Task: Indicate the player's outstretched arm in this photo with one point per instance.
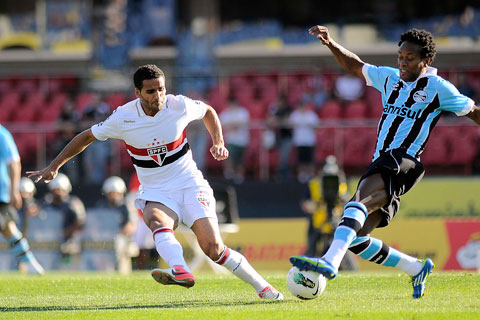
(474, 114)
(74, 147)
(212, 122)
(348, 60)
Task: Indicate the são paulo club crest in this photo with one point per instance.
(158, 153)
(203, 198)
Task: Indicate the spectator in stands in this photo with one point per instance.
(74, 215)
(96, 157)
(69, 113)
(30, 207)
(304, 122)
(114, 190)
(348, 88)
(316, 93)
(172, 190)
(415, 97)
(11, 201)
(235, 120)
(279, 120)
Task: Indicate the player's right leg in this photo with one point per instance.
(162, 220)
(371, 193)
(352, 221)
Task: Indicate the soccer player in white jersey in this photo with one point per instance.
(413, 97)
(172, 189)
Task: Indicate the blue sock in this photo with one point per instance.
(376, 251)
(20, 247)
(354, 216)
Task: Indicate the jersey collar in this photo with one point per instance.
(431, 71)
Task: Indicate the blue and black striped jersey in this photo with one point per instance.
(411, 109)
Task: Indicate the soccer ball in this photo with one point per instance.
(305, 285)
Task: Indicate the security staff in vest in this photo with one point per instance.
(326, 196)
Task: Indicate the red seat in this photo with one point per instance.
(356, 110)
(4, 115)
(10, 100)
(358, 146)
(327, 139)
(115, 100)
(83, 99)
(436, 151)
(331, 110)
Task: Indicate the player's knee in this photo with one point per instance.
(213, 249)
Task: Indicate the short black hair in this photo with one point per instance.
(424, 39)
(146, 72)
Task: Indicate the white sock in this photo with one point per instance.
(169, 248)
(409, 265)
(336, 252)
(353, 218)
(236, 263)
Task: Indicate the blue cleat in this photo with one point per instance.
(418, 281)
(314, 264)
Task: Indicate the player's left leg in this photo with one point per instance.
(161, 219)
(209, 239)
(20, 247)
(376, 251)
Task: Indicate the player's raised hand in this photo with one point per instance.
(321, 33)
(219, 152)
(46, 174)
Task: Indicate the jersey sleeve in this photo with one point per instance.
(108, 128)
(376, 76)
(8, 148)
(195, 109)
(452, 100)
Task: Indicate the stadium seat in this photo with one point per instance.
(436, 152)
(10, 100)
(358, 147)
(355, 110)
(326, 143)
(331, 110)
(83, 99)
(115, 99)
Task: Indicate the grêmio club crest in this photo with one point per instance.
(158, 154)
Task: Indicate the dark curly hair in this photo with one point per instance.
(146, 72)
(424, 39)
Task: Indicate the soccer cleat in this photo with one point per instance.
(31, 267)
(177, 275)
(318, 265)
(418, 281)
(270, 293)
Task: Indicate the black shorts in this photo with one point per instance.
(7, 214)
(400, 172)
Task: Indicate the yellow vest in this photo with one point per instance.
(320, 216)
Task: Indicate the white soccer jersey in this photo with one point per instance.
(157, 145)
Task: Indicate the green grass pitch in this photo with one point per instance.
(449, 295)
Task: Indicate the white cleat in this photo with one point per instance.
(31, 267)
(270, 293)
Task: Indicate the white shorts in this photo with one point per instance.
(190, 204)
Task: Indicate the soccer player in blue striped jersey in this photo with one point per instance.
(413, 98)
(10, 201)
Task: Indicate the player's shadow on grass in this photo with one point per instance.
(171, 305)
